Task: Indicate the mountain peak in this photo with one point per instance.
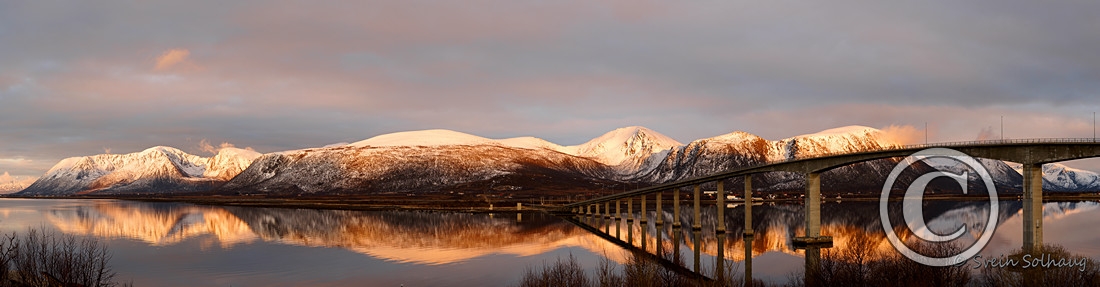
(846, 130)
(150, 170)
(433, 137)
(629, 145)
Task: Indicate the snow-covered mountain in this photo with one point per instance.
(740, 149)
(441, 160)
(157, 169)
(1058, 177)
(365, 168)
(625, 149)
(10, 184)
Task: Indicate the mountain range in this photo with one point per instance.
(444, 160)
(154, 170)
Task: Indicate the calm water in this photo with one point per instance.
(177, 244)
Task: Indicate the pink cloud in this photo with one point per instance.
(171, 58)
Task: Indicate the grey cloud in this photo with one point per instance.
(76, 78)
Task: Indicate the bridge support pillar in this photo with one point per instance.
(676, 207)
(1033, 207)
(660, 213)
(697, 224)
(644, 214)
(720, 259)
(618, 218)
(813, 214)
(698, 236)
(630, 209)
(607, 217)
(721, 202)
(748, 259)
(748, 205)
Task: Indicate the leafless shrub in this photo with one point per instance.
(48, 259)
(855, 266)
(561, 273)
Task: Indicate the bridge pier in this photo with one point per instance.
(813, 267)
(677, 234)
(643, 234)
(618, 218)
(676, 207)
(698, 234)
(720, 260)
(698, 223)
(660, 214)
(813, 213)
(660, 241)
(644, 213)
(1033, 207)
(748, 205)
(607, 217)
(748, 259)
(629, 210)
(721, 228)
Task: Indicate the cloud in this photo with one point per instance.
(904, 134)
(205, 146)
(987, 133)
(15, 161)
(279, 76)
(171, 58)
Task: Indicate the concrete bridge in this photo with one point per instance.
(1032, 153)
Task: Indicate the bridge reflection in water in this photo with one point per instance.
(1030, 153)
(855, 227)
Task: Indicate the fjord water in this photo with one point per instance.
(179, 244)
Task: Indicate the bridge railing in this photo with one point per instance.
(940, 144)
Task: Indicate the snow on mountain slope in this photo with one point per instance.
(439, 137)
(373, 169)
(740, 149)
(444, 159)
(156, 169)
(838, 140)
(10, 184)
(531, 143)
(627, 149)
(1059, 177)
(1003, 175)
(435, 137)
(228, 163)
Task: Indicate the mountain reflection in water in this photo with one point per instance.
(425, 238)
(421, 237)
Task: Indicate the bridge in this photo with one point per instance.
(1031, 153)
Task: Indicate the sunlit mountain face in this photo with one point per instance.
(441, 160)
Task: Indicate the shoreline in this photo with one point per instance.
(479, 205)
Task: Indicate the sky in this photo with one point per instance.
(87, 77)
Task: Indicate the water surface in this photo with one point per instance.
(179, 244)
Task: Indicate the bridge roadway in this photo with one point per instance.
(1032, 153)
